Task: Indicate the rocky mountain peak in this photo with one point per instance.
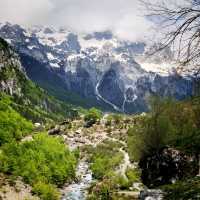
(97, 66)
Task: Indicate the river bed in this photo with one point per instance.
(78, 191)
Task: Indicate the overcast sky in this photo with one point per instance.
(123, 17)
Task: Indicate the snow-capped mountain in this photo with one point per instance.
(97, 67)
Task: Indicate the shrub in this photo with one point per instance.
(133, 175)
(43, 159)
(103, 164)
(117, 118)
(120, 182)
(93, 115)
(46, 191)
(135, 143)
(12, 125)
(40, 162)
(105, 158)
(101, 191)
(187, 189)
(169, 123)
(109, 120)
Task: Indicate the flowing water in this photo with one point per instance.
(78, 191)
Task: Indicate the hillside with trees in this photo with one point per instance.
(50, 150)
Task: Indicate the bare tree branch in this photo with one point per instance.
(181, 24)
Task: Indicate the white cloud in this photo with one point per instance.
(123, 17)
(25, 11)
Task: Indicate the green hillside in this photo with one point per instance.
(30, 100)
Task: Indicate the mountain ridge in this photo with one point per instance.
(80, 65)
(29, 99)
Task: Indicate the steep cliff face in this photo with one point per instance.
(30, 100)
(96, 69)
(10, 68)
(173, 86)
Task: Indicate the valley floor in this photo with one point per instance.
(105, 169)
(82, 138)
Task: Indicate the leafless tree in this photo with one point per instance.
(179, 20)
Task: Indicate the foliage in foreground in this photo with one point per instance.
(42, 163)
(187, 189)
(170, 123)
(46, 191)
(107, 189)
(12, 125)
(105, 158)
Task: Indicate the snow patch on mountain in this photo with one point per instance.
(163, 69)
(55, 65)
(32, 47)
(48, 36)
(98, 65)
(50, 56)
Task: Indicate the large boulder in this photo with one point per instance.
(55, 131)
(167, 166)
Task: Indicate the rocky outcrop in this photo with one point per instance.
(55, 131)
(111, 87)
(10, 68)
(167, 166)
